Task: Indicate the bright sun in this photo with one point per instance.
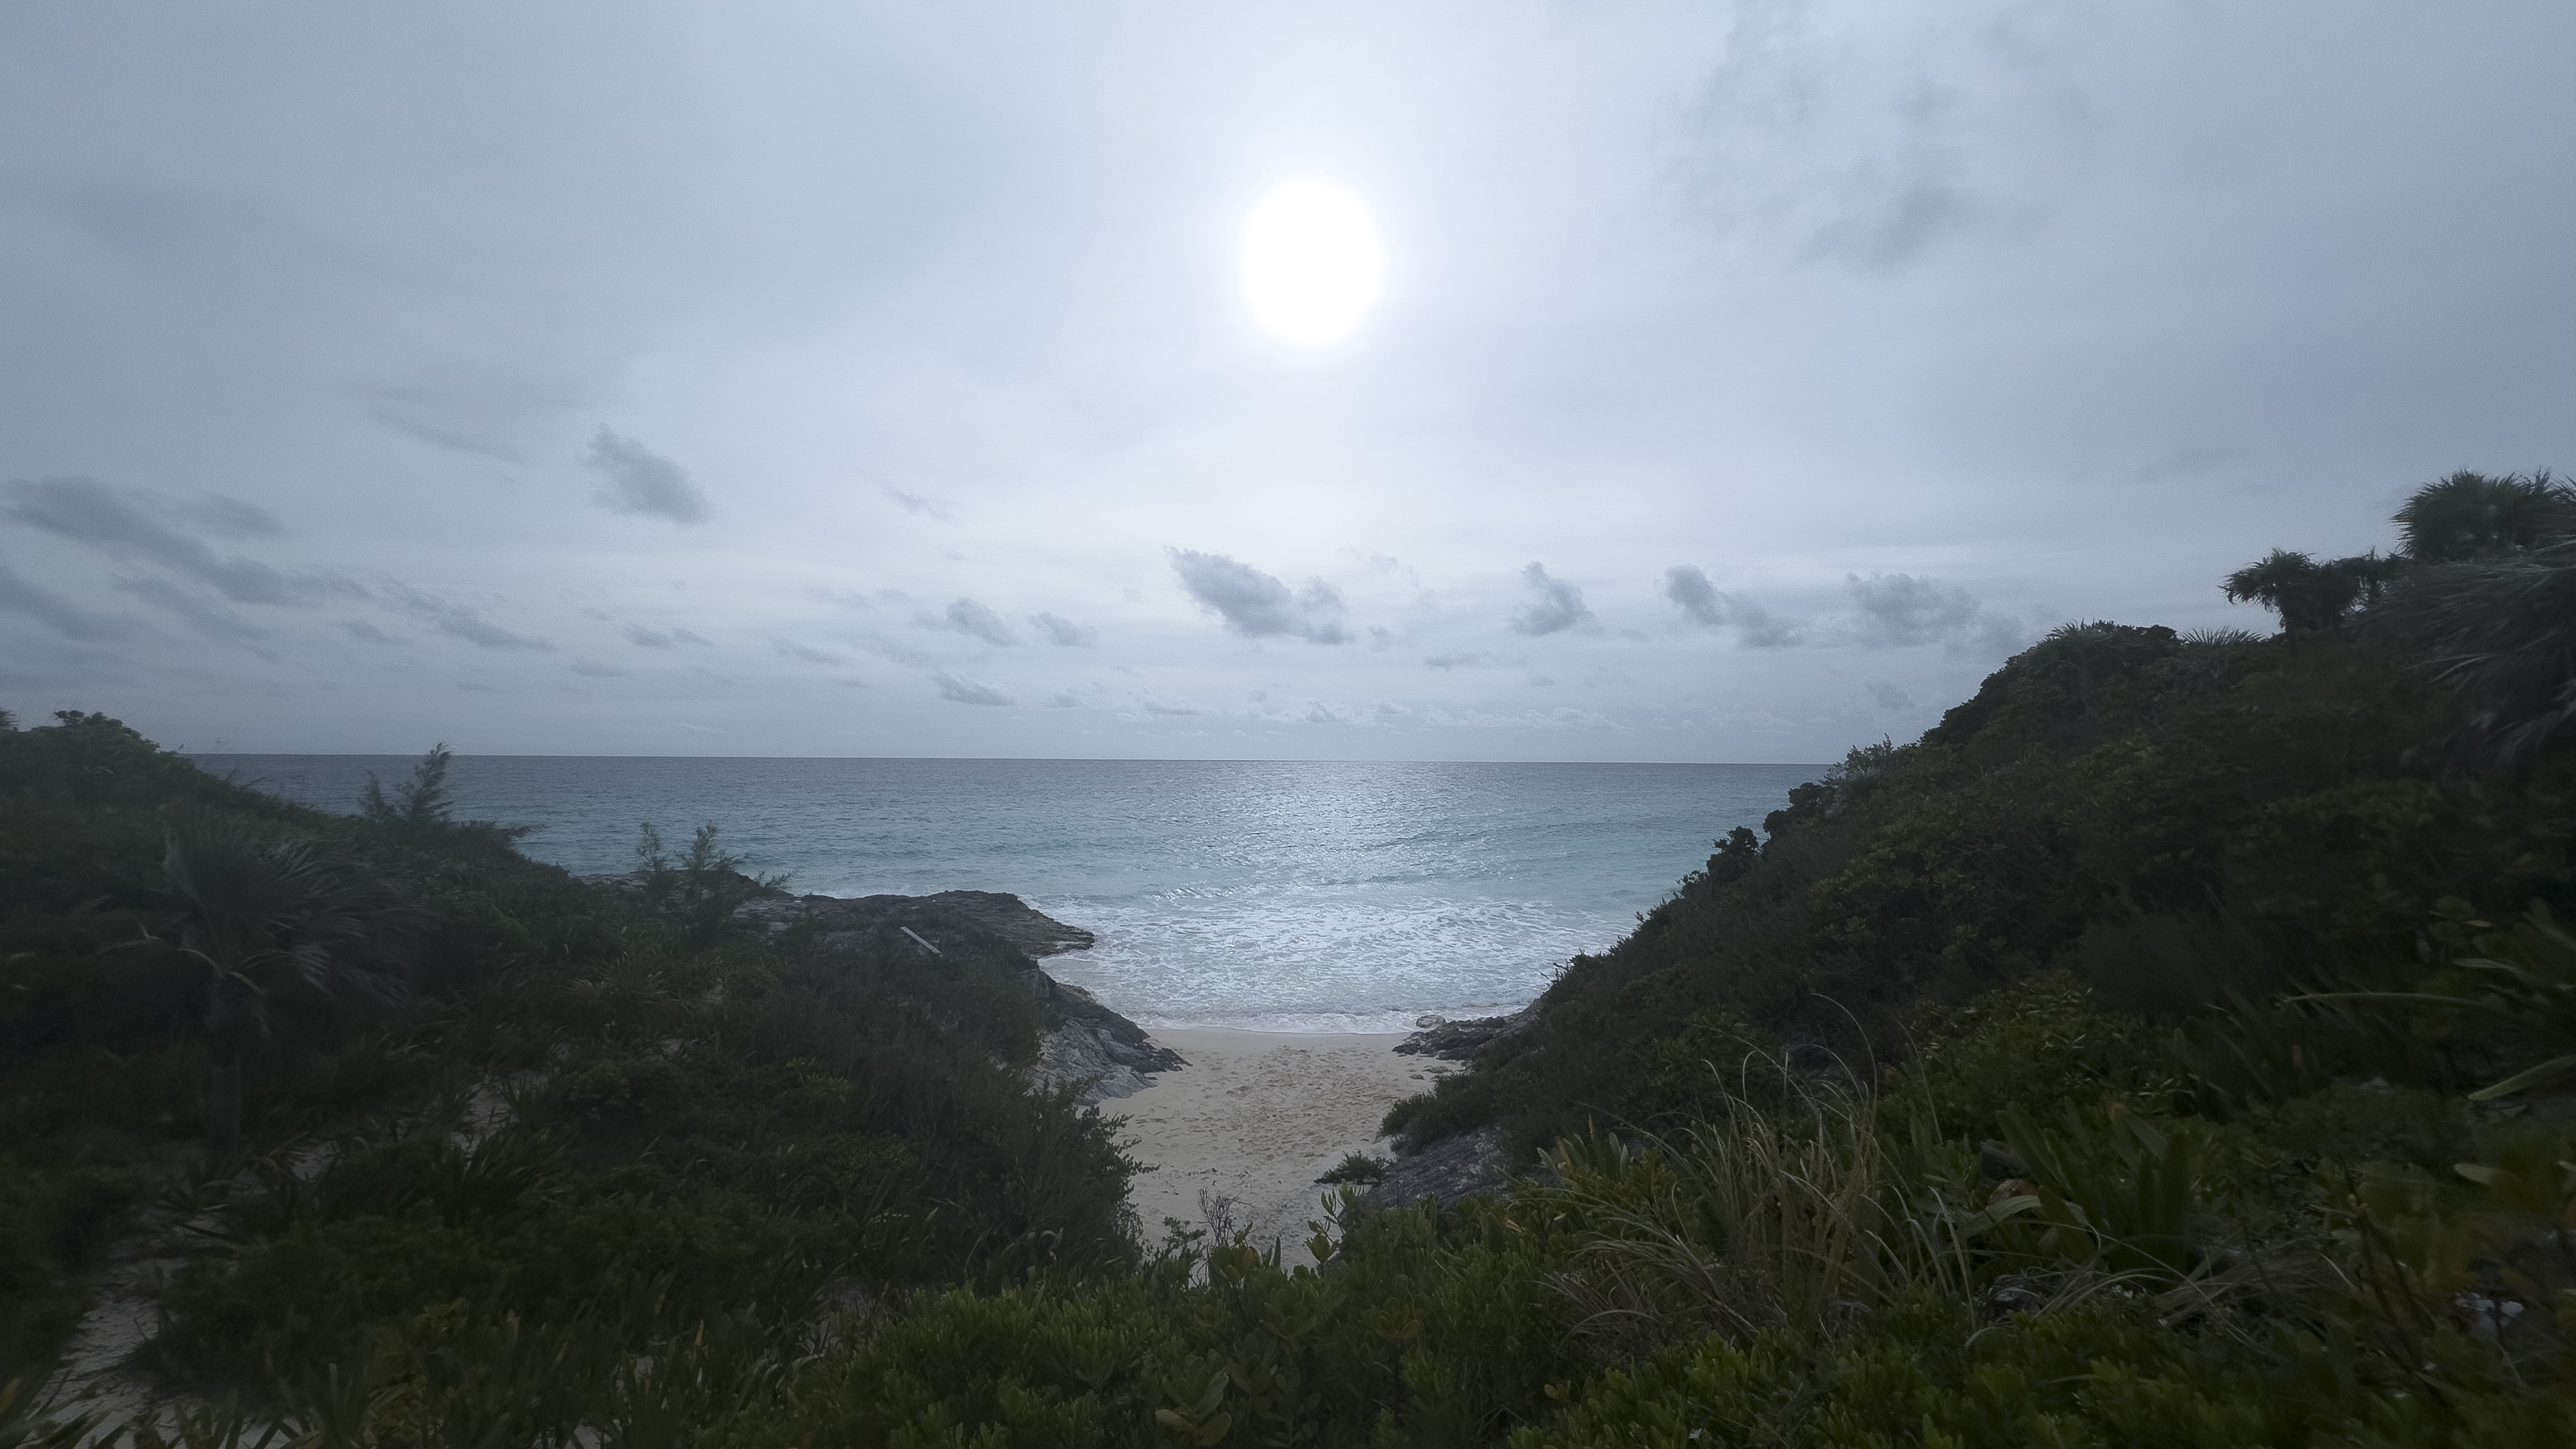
(1311, 264)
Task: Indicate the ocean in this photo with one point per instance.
(1280, 896)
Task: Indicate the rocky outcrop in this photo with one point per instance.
(1458, 1041)
(1086, 1044)
(1106, 1053)
(990, 912)
(1447, 1170)
(775, 911)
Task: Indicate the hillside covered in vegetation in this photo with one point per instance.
(2173, 1046)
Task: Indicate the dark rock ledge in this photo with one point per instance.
(1459, 1041)
(1086, 1043)
(1470, 1162)
(1447, 1170)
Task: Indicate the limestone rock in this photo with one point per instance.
(1458, 1041)
(1085, 1043)
(1446, 1171)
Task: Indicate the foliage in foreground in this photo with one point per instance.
(743, 1120)
(1842, 1268)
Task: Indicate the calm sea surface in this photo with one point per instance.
(1291, 896)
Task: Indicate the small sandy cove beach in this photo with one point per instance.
(1257, 1116)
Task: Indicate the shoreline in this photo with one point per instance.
(1255, 1117)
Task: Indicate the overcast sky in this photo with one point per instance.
(1747, 379)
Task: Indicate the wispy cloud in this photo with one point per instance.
(485, 408)
(128, 523)
(966, 616)
(1899, 611)
(922, 504)
(460, 621)
(635, 479)
(1064, 631)
(1891, 611)
(1711, 608)
(894, 651)
(1462, 659)
(968, 691)
(234, 517)
(1257, 605)
(643, 638)
(789, 649)
(1559, 605)
(208, 614)
(20, 596)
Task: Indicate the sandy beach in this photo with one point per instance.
(1257, 1116)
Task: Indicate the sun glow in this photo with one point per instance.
(1311, 264)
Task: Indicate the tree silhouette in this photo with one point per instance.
(418, 805)
(271, 921)
(2308, 595)
(418, 811)
(2468, 514)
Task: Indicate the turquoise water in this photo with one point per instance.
(1291, 896)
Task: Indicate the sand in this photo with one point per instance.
(1256, 1117)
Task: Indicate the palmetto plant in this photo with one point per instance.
(271, 921)
(2308, 595)
(2499, 632)
(2468, 514)
(2526, 976)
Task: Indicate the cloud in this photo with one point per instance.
(361, 629)
(1899, 611)
(209, 615)
(18, 596)
(791, 650)
(1463, 659)
(1889, 697)
(1873, 153)
(642, 637)
(461, 621)
(965, 616)
(484, 409)
(598, 671)
(1257, 605)
(1690, 590)
(127, 522)
(930, 508)
(968, 691)
(861, 601)
(899, 653)
(233, 516)
(1388, 564)
(1559, 606)
(638, 480)
(1090, 696)
(1064, 631)
(1895, 611)
(1711, 608)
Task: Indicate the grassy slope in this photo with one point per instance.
(2169, 820)
(714, 1121)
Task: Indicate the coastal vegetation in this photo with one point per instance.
(2174, 1045)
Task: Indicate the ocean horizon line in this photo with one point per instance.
(1003, 759)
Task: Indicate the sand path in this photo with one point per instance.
(1256, 1117)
